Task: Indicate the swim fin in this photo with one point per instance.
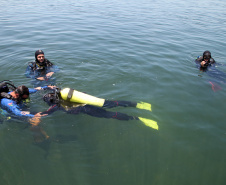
(215, 86)
(143, 105)
(149, 123)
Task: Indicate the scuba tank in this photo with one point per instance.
(5, 87)
(72, 95)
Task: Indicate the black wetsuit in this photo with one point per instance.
(210, 62)
(211, 70)
(45, 64)
(200, 59)
(96, 111)
(35, 70)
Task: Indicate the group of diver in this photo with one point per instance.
(69, 100)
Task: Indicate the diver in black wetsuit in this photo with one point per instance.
(57, 103)
(207, 64)
(75, 108)
(41, 69)
(205, 60)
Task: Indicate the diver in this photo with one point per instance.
(207, 64)
(75, 102)
(11, 101)
(41, 69)
(205, 61)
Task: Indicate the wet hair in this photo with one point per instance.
(22, 90)
(207, 55)
(38, 52)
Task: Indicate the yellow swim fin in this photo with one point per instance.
(149, 123)
(143, 105)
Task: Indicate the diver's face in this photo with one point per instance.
(206, 59)
(16, 95)
(41, 57)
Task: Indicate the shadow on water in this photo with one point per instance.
(45, 144)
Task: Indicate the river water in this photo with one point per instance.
(119, 50)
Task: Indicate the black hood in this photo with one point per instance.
(51, 98)
(38, 52)
(207, 55)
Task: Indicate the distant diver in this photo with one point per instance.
(75, 102)
(205, 60)
(207, 64)
(41, 69)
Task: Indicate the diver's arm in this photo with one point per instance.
(13, 107)
(199, 59)
(34, 90)
(48, 75)
(51, 110)
(212, 61)
(51, 69)
(38, 133)
(41, 78)
(29, 73)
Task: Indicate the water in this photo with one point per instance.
(121, 50)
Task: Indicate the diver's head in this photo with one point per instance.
(50, 98)
(206, 56)
(22, 92)
(39, 56)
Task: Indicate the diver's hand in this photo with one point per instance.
(40, 78)
(203, 64)
(52, 86)
(38, 115)
(38, 88)
(48, 75)
(25, 112)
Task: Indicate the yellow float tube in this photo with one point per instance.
(79, 97)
